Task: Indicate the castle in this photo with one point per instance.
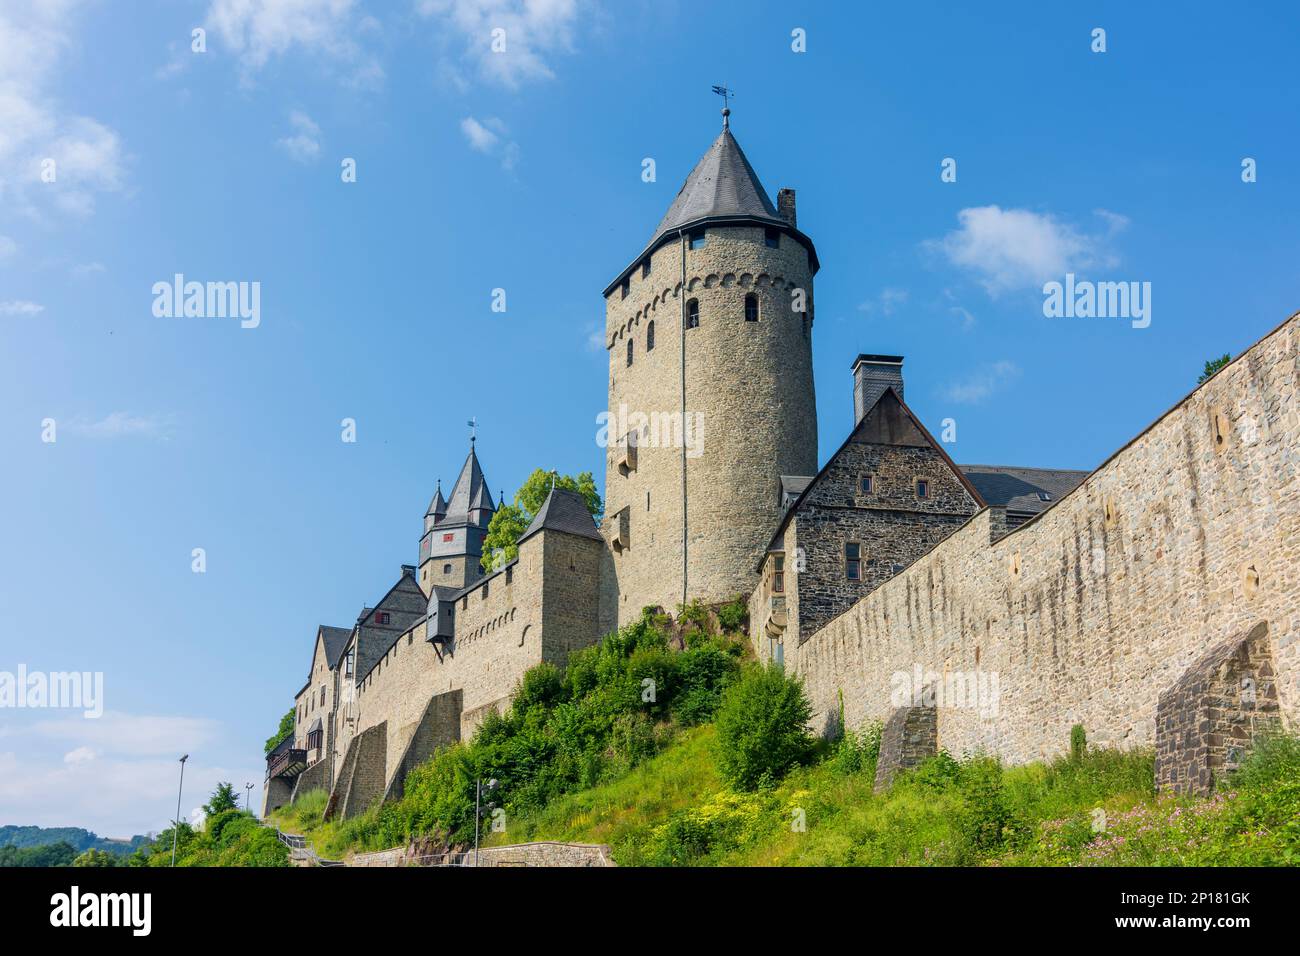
(970, 607)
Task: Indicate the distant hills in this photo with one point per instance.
(23, 838)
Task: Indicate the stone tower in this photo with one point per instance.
(452, 543)
(709, 331)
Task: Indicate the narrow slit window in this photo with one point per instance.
(853, 561)
(650, 336)
(629, 351)
(693, 314)
(751, 308)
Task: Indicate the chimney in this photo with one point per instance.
(785, 206)
(872, 374)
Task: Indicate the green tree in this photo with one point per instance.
(510, 521)
(1213, 366)
(223, 798)
(762, 727)
(98, 858)
(286, 730)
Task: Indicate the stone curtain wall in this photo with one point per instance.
(1189, 534)
(518, 854)
(752, 384)
(1205, 723)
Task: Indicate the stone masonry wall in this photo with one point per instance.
(1087, 613)
(751, 385)
(909, 736)
(1207, 721)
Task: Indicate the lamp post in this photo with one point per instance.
(478, 814)
(248, 797)
(176, 826)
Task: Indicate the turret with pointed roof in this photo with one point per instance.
(712, 323)
(454, 530)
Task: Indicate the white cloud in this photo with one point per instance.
(35, 40)
(122, 734)
(258, 30)
(303, 145)
(489, 137)
(7, 247)
(88, 269)
(982, 383)
(885, 303)
(1009, 249)
(123, 425)
(80, 755)
(533, 31)
(20, 307)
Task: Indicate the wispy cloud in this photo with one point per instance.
(303, 142)
(885, 303)
(88, 269)
(123, 425)
(982, 383)
(20, 307)
(259, 30)
(1008, 249)
(49, 157)
(489, 137)
(507, 42)
(7, 247)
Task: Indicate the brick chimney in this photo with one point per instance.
(785, 206)
(872, 374)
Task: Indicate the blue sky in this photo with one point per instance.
(522, 170)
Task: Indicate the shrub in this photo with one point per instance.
(762, 727)
(733, 617)
(1078, 743)
(984, 814)
(1275, 757)
(857, 752)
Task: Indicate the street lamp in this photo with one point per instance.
(479, 787)
(248, 796)
(176, 827)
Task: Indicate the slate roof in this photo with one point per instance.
(1020, 489)
(470, 493)
(437, 504)
(792, 486)
(721, 184)
(335, 638)
(566, 511)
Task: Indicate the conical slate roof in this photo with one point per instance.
(437, 505)
(722, 184)
(565, 511)
(470, 492)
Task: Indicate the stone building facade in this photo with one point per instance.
(970, 607)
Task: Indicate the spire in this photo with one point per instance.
(722, 185)
(437, 505)
(469, 494)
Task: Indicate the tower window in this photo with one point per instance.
(629, 351)
(448, 537)
(772, 237)
(778, 575)
(446, 569)
(751, 308)
(697, 239)
(647, 501)
(626, 287)
(650, 336)
(853, 561)
(866, 484)
(693, 314)
(645, 268)
(922, 488)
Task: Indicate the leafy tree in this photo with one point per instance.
(510, 521)
(97, 858)
(762, 727)
(223, 798)
(1213, 366)
(286, 730)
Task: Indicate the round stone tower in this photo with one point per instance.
(711, 400)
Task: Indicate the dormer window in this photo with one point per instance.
(772, 237)
(751, 308)
(693, 314)
(1044, 496)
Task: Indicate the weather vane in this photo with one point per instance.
(473, 429)
(726, 94)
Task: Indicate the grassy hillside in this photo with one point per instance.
(674, 750)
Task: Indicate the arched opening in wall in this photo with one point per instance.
(650, 336)
(693, 314)
(751, 308)
(524, 635)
